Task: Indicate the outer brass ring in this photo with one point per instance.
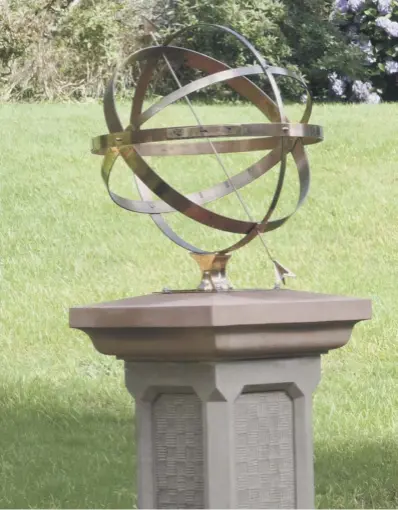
(308, 133)
(133, 144)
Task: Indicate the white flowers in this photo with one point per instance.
(337, 84)
(348, 5)
(341, 6)
(391, 66)
(373, 98)
(384, 7)
(372, 27)
(367, 48)
(356, 5)
(362, 91)
(390, 27)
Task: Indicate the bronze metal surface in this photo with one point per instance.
(213, 268)
(278, 136)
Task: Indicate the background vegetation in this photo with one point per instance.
(63, 49)
(60, 49)
(371, 26)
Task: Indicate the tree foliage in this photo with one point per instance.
(296, 34)
(55, 49)
(60, 49)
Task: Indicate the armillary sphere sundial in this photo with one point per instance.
(277, 137)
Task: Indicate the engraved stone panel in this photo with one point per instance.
(264, 451)
(178, 451)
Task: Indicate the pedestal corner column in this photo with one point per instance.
(223, 389)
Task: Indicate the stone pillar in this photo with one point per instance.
(223, 389)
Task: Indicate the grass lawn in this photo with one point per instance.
(66, 428)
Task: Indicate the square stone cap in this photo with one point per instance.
(221, 309)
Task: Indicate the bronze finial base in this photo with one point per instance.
(213, 268)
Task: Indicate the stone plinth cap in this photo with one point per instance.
(238, 308)
(237, 324)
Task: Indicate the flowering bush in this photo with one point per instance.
(58, 49)
(296, 34)
(371, 26)
(319, 47)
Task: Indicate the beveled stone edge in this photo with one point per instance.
(210, 315)
(221, 343)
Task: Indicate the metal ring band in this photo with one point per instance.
(308, 133)
(250, 82)
(249, 90)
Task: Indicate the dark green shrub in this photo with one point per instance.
(296, 34)
(318, 46)
(56, 49)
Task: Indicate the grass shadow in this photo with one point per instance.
(356, 474)
(79, 452)
(55, 455)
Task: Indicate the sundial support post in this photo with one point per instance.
(213, 267)
(223, 386)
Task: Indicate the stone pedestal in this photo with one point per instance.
(223, 389)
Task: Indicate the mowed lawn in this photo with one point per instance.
(66, 420)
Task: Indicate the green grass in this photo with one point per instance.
(66, 428)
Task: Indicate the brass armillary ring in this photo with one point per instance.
(278, 137)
